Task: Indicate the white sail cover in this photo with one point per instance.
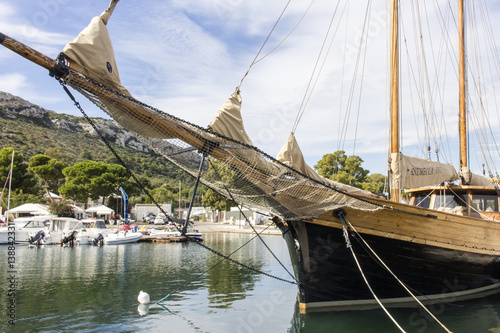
(228, 121)
(92, 50)
(474, 179)
(412, 172)
(291, 155)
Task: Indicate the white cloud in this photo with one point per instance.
(14, 83)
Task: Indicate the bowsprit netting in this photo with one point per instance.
(246, 174)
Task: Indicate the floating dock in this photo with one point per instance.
(159, 239)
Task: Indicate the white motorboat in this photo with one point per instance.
(89, 230)
(61, 230)
(23, 228)
(122, 237)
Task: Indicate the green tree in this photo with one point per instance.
(48, 169)
(216, 201)
(90, 179)
(342, 168)
(21, 179)
(374, 183)
(330, 164)
(162, 195)
(86, 155)
(57, 154)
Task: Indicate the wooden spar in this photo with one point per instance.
(394, 91)
(27, 52)
(462, 100)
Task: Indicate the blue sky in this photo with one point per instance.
(186, 57)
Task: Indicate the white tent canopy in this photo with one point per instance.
(100, 210)
(33, 209)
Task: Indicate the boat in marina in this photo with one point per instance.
(122, 237)
(25, 227)
(61, 231)
(173, 231)
(89, 230)
(440, 239)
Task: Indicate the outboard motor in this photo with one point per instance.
(70, 239)
(37, 238)
(99, 240)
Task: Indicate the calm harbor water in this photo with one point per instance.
(94, 289)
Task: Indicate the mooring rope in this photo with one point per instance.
(392, 273)
(348, 244)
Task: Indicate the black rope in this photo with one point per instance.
(246, 266)
(215, 265)
(154, 201)
(106, 142)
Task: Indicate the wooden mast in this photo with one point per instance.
(462, 92)
(395, 91)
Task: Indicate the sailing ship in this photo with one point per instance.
(437, 252)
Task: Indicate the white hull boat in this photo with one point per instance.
(23, 228)
(89, 230)
(122, 237)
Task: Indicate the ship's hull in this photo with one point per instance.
(330, 278)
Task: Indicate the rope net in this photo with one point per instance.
(243, 172)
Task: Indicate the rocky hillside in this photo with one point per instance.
(34, 130)
(18, 110)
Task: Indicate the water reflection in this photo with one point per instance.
(96, 288)
(481, 315)
(226, 281)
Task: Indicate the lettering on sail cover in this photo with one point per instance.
(425, 171)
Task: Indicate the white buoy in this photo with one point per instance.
(143, 297)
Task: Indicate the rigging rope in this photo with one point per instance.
(268, 36)
(209, 269)
(243, 145)
(303, 105)
(286, 37)
(106, 142)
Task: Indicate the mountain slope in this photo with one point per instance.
(32, 130)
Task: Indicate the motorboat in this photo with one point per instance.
(89, 230)
(122, 237)
(23, 228)
(61, 230)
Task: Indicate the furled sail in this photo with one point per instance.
(92, 50)
(474, 179)
(228, 121)
(291, 155)
(412, 172)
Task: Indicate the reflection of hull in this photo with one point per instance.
(122, 238)
(435, 268)
(457, 318)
